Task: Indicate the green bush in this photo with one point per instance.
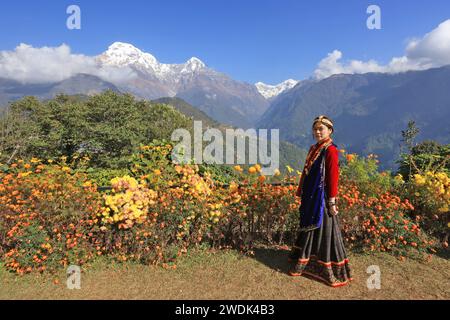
(364, 173)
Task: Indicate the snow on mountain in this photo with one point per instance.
(271, 91)
(219, 96)
(193, 64)
(121, 54)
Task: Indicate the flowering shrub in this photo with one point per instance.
(430, 194)
(161, 209)
(363, 172)
(255, 210)
(128, 202)
(382, 224)
(153, 164)
(177, 212)
(432, 190)
(46, 212)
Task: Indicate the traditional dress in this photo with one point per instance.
(319, 248)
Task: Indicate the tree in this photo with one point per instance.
(426, 156)
(106, 127)
(17, 129)
(408, 138)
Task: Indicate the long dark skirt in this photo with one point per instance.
(320, 253)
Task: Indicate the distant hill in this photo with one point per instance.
(83, 84)
(290, 154)
(189, 110)
(369, 110)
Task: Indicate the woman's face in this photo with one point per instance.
(321, 131)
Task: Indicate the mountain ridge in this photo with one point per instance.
(369, 110)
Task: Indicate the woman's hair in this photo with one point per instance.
(326, 121)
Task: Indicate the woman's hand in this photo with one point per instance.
(332, 206)
(333, 210)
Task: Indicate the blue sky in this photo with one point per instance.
(251, 40)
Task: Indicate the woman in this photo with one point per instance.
(319, 249)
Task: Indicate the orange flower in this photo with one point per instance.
(350, 157)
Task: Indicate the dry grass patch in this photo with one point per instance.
(226, 274)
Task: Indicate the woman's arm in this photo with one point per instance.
(332, 175)
(332, 171)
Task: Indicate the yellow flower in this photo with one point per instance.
(237, 199)
(399, 178)
(252, 170)
(419, 180)
(289, 169)
(87, 184)
(277, 172)
(25, 174)
(233, 186)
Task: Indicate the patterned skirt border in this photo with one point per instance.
(329, 264)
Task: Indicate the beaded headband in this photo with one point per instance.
(323, 120)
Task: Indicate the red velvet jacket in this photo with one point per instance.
(331, 173)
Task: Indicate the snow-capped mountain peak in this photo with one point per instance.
(121, 54)
(194, 64)
(271, 91)
(124, 54)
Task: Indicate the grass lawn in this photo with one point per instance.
(226, 274)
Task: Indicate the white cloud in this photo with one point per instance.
(331, 65)
(432, 50)
(51, 64)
